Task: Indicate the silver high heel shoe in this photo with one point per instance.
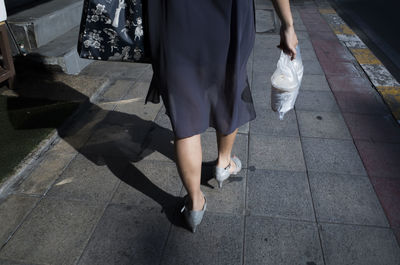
(222, 174)
(193, 218)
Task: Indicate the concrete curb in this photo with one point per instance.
(387, 86)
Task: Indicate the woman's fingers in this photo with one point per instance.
(288, 42)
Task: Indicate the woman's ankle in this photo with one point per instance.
(223, 161)
(197, 202)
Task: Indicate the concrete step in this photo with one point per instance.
(62, 53)
(43, 23)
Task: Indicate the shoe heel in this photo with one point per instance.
(222, 174)
(220, 183)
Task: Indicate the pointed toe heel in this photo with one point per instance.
(193, 218)
(222, 174)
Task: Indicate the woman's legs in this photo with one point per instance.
(189, 159)
(225, 144)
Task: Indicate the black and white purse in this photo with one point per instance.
(114, 30)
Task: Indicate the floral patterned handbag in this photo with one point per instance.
(114, 30)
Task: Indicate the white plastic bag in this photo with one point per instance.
(285, 83)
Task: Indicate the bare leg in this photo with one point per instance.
(225, 144)
(189, 159)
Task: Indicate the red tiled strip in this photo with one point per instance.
(375, 132)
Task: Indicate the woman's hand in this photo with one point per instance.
(288, 41)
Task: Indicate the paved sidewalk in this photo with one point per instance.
(109, 192)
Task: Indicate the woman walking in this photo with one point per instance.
(200, 50)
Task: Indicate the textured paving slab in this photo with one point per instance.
(56, 232)
(219, 240)
(124, 237)
(276, 153)
(316, 101)
(349, 244)
(346, 199)
(322, 125)
(279, 194)
(335, 156)
(281, 242)
(268, 123)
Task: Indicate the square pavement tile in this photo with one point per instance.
(84, 180)
(13, 210)
(380, 159)
(149, 186)
(123, 237)
(217, 240)
(331, 155)
(268, 123)
(279, 194)
(278, 241)
(346, 199)
(56, 232)
(388, 191)
(322, 125)
(314, 83)
(359, 245)
(276, 153)
(316, 101)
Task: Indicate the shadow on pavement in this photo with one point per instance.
(105, 137)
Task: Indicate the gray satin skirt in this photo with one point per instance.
(199, 51)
